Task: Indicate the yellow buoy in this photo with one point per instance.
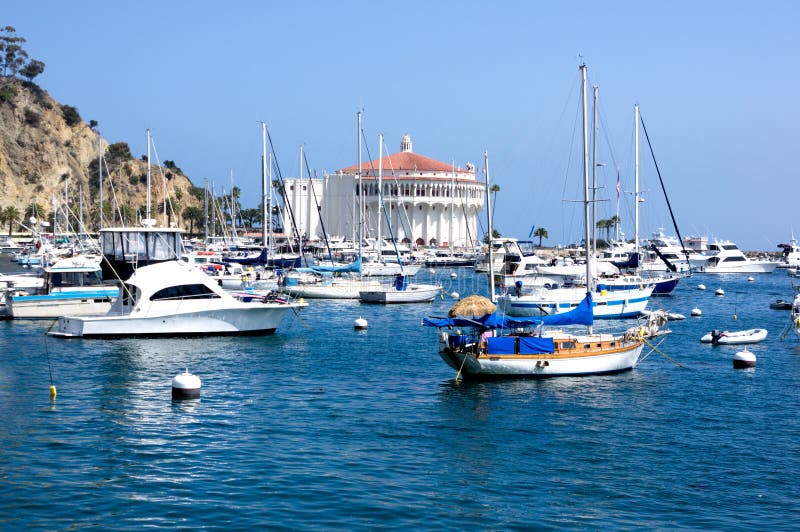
(53, 392)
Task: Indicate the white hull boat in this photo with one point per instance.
(730, 259)
(606, 304)
(170, 299)
(750, 336)
(335, 289)
(411, 293)
(70, 286)
(580, 357)
(796, 314)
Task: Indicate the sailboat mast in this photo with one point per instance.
(489, 225)
(205, 207)
(100, 169)
(147, 213)
(264, 184)
(452, 199)
(301, 229)
(636, 177)
(233, 211)
(360, 190)
(380, 195)
(271, 235)
(586, 219)
(594, 171)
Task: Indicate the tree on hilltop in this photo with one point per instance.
(32, 69)
(13, 56)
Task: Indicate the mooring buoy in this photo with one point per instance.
(744, 359)
(697, 312)
(185, 385)
(360, 324)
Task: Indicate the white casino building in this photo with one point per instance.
(430, 202)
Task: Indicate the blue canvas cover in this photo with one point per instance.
(353, 267)
(501, 345)
(533, 345)
(580, 315)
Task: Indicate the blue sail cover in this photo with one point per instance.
(353, 267)
(580, 315)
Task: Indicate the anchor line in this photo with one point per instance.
(660, 352)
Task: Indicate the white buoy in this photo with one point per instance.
(720, 292)
(750, 279)
(455, 295)
(432, 271)
(454, 275)
(360, 324)
(701, 287)
(697, 312)
(185, 385)
(744, 359)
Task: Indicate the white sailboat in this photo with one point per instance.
(496, 346)
(625, 300)
(335, 282)
(400, 291)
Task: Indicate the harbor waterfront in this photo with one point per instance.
(320, 426)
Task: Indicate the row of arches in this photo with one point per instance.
(437, 190)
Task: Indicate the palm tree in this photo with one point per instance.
(615, 221)
(34, 210)
(541, 232)
(10, 215)
(604, 224)
(193, 214)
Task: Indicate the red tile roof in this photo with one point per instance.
(404, 160)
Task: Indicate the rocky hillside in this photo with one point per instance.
(45, 148)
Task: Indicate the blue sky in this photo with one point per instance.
(715, 82)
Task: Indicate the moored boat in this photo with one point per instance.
(72, 285)
(173, 299)
(401, 292)
(750, 336)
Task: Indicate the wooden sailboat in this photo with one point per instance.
(493, 345)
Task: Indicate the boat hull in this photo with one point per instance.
(261, 319)
(89, 303)
(542, 366)
(609, 305)
(345, 290)
(412, 294)
(755, 267)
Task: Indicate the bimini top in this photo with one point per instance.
(580, 315)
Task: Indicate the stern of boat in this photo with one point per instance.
(68, 327)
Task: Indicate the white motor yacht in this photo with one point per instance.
(728, 258)
(174, 299)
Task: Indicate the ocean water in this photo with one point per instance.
(323, 427)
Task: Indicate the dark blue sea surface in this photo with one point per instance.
(323, 427)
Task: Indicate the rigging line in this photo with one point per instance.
(400, 204)
(406, 228)
(380, 199)
(166, 198)
(660, 352)
(47, 352)
(316, 204)
(669, 206)
(286, 204)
